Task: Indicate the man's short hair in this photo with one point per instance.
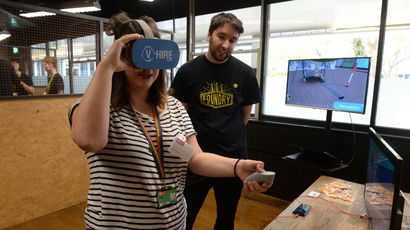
(51, 60)
(221, 19)
(15, 60)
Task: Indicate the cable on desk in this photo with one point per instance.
(347, 213)
(273, 219)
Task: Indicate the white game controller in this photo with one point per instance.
(266, 176)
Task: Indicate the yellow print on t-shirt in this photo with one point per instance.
(216, 95)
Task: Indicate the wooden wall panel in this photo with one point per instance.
(41, 169)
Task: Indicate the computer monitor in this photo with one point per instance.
(383, 199)
(331, 83)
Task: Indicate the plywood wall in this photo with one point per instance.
(41, 169)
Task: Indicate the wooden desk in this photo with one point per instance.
(323, 215)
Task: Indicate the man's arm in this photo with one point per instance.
(28, 88)
(246, 112)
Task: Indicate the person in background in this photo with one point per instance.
(55, 81)
(8, 78)
(126, 122)
(25, 87)
(218, 92)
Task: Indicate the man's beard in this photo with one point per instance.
(213, 51)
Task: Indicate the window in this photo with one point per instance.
(249, 40)
(179, 37)
(84, 58)
(62, 63)
(318, 29)
(107, 42)
(394, 96)
(39, 73)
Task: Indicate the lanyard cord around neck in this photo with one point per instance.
(157, 151)
(49, 83)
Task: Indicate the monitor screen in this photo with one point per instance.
(382, 185)
(333, 83)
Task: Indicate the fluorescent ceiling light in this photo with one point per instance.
(37, 14)
(146, 0)
(91, 8)
(81, 9)
(5, 34)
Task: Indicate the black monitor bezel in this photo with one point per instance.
(397, 162)
(332, 109)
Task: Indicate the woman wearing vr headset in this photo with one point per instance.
(126, 122)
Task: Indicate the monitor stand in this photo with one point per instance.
(322, 160)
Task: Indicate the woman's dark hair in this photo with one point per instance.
(119, 25)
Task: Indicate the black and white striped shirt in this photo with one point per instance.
(124, 177)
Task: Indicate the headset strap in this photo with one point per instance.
(147, 30)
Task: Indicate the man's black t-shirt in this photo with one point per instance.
(215, 94)
(56, 84)
(27, 80)
(8, 77)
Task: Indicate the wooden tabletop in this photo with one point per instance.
(323, 215)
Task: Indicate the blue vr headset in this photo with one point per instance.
(155, 54)
(151, 53)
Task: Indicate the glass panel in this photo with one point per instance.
(107, 42)
(82, 74)
(63, 64)
(250, 59)
(165, 36)
(52, 45)
(179, 36)
(41, 45)
(39, 73)
(250, 18)
(394, 96)
(84, 58)
(318, 29)
(84, 48)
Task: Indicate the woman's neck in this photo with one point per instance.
(139, 102)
